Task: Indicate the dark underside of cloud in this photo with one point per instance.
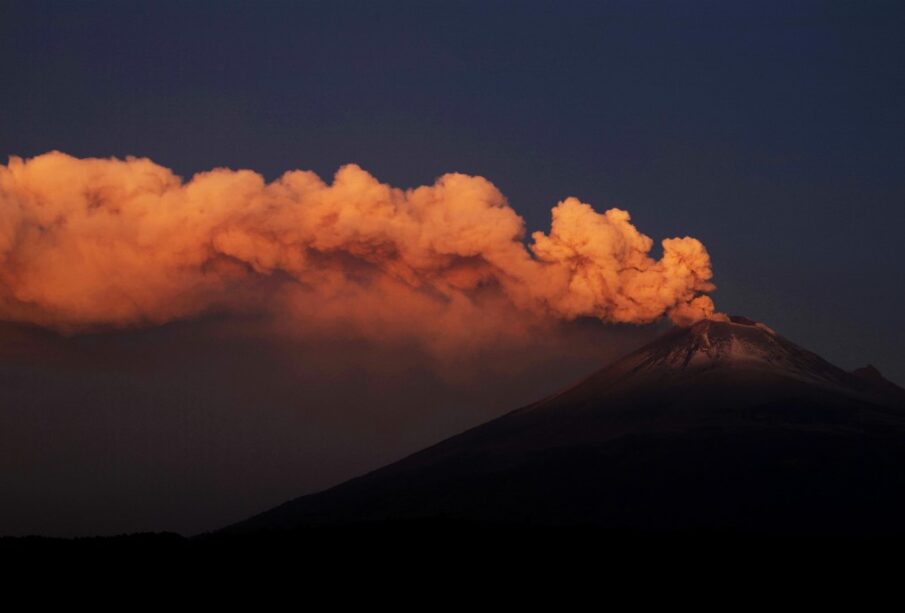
(192, 425)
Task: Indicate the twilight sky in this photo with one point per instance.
(771, 131)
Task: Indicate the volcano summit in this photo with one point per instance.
(721, 426)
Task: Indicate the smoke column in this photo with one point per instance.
(101, 243)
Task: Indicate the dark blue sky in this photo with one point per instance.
(772, 131)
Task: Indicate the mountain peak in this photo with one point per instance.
(712, 342)
(741, 320)
(736, 343)
(868, 373)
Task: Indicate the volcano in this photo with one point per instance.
(721, 426)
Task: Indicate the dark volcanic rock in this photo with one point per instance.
(723, 426)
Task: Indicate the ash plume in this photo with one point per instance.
(109, 243)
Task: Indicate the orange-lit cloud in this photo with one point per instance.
(88, 243)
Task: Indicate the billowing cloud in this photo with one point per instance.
(88, 243)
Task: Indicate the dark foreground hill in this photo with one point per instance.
(721, 428)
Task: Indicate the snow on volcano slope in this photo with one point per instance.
(738, 344)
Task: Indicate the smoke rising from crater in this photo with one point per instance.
(96, 243)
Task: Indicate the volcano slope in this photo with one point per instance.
(722, 427)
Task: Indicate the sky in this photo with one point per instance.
(772, 132)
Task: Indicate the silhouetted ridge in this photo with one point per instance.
(723, 425)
